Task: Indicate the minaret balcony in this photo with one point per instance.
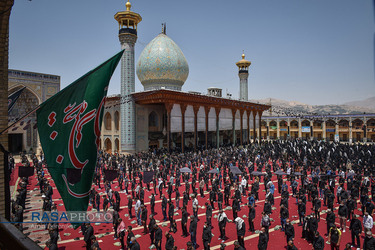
(128, 30)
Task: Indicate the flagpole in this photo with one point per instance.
(20, 119)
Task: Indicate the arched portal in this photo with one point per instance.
(23, 137)
(108, 145)
(117, 145)
(107, 121)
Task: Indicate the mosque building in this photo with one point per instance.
(163, 115)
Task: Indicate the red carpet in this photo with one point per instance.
(104, 232)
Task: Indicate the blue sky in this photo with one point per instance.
(316, 52)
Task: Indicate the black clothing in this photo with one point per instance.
(263, 241)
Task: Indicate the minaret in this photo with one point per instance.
(243, 73)
(128, 22)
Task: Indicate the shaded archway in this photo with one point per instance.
(117, 145)
(107, 121)
(108, 145)
(305, 123)
(153, 121)
(24, 135)
(294, 124)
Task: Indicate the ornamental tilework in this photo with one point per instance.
(163, 64)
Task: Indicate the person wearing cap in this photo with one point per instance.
(356, 230)
(369, 242)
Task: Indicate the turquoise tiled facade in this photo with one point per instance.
(162, 64)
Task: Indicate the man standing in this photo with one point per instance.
(201, 186)
(368, 222)
(195, 207)
(263, 239)
(318, 242)
(334, 237)
(343, 214)
(226, 194)
(115, 222)
(151, 228)
(193, 231)
(184, 220)
(88, 233)
(158, 236)
(164, 207)
(170, 215)
(241, 229)
(208, 214)
(222, 219)
(356, 229)
(152, 203)
(134, 245)
(206, 236)
(369, 242)
(301, 212)
(251, 218)
(144, 218)
(170, 241)
(130, 206)
(289, 231)
(284, 215)
(330, 219)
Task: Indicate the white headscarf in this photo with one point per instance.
(239, 222)
(222, 216)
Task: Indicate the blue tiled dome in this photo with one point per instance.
(162, 64)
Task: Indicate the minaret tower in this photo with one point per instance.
(243, 72)
(128, 22)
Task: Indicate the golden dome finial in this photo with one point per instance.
(243, 54)
(128, 5)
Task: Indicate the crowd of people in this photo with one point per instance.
(311, 173)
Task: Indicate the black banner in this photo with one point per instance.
(13, 98)
(148, 176)
(25, 171)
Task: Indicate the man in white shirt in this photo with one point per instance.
(368, 222)
(195, 207)
(243, 184)
(138, 211)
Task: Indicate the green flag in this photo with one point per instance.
(69, 126)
